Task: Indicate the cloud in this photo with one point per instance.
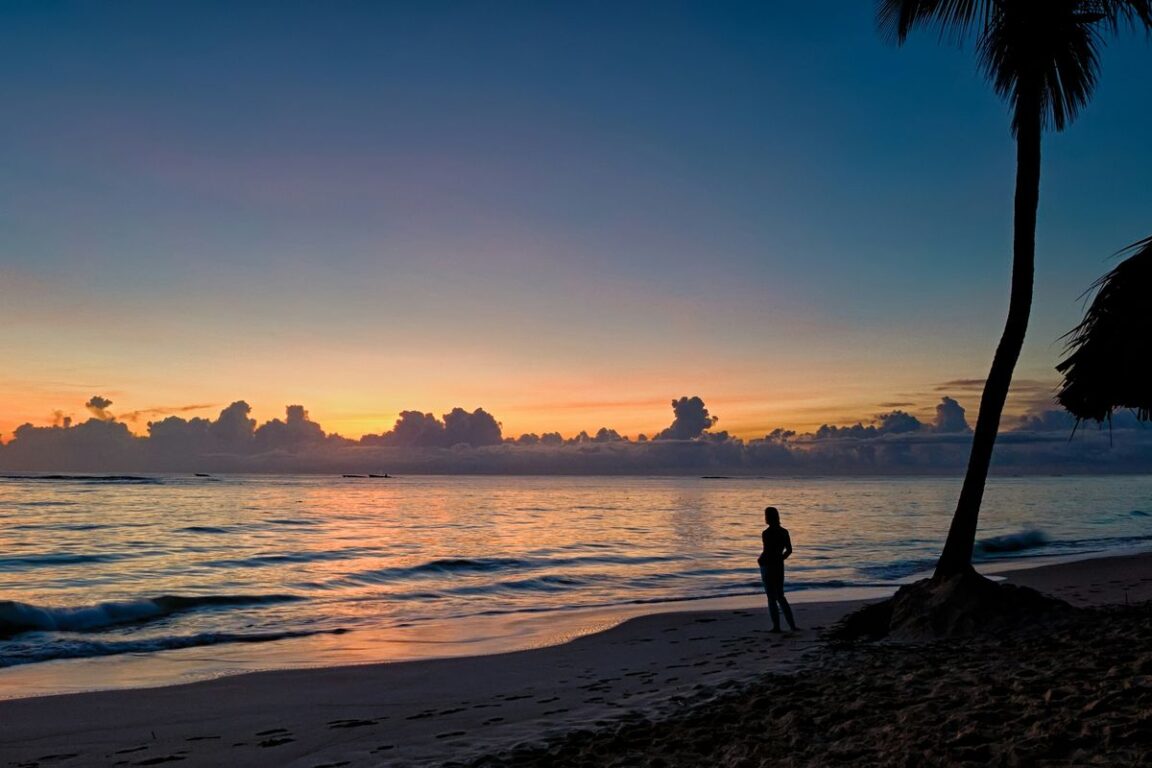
(950, 416)
(475, 429)
(233, 430)
(961, 385)
(296, 432)
(414, 429)
(99, 407)
(162, 411)
(894, 442)
(893, 422)
(691, 420)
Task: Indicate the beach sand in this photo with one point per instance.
(669, 689)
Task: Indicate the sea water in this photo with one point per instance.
(194, 568)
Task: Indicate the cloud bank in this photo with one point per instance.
(463, 441)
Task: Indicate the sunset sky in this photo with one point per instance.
(566, 213)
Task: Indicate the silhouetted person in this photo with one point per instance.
(777, 548)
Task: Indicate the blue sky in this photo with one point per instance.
(566, 213)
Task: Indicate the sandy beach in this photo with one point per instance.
(667, 689)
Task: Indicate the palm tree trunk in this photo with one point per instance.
(957, 555)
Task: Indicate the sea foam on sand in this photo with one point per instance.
(670, 689)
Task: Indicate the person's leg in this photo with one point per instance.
(786, 608)
(778, 602)
(773, 609)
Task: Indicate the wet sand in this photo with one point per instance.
(668, 689)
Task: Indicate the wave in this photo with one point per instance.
(59, 558)
(1013, 542)
(464, 565)
(17, 618)
(260, 561)
(112, 479)
(15, 654)
(897, 569)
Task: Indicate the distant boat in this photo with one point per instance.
(355, 475)
(203, 474)
(385, 475)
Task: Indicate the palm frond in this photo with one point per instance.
(1042, 56)
(1115, 13)
(1046, 60)
(1108, 356)
(953, 19)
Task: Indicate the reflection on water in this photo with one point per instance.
(84, 565)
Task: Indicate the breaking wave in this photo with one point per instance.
(1013, 542)
(16, 618)
(73, 648)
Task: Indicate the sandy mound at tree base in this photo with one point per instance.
(965, 604)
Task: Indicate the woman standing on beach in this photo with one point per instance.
(777, 548)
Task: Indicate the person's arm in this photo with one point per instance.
(787, 546)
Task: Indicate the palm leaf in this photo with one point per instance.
(1108, 356)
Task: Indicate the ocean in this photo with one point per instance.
(110, 581)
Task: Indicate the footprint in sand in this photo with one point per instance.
(351, 723)
(279, 736)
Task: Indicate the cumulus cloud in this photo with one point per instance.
(99, 407)
(606, 435)
(894, 442)
(691, 420)
(897, 422)
(233, 429)
(414, 429)
(297, 431)
(891, 423)
(950, 416)
(476, 429)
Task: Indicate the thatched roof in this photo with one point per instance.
(1108, 362)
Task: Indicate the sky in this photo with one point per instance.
(566, 213)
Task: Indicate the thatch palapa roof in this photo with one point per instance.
(1108, 358)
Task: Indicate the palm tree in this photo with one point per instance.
(1106, 364)
(1042, 57)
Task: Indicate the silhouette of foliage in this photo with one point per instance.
(1041, 56)
(1107, 362)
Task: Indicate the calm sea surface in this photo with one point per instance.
(106, 567)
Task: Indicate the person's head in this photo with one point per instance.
(771, 515)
